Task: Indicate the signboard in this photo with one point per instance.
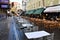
(4, 6)
(4, 1)
(0, 0)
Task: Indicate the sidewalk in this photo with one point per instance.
(4, 31)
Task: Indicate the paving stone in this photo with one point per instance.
(4, 30)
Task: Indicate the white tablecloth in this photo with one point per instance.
(27, 25)
(36, 34)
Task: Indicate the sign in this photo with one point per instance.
(4, 6)
(5, 1)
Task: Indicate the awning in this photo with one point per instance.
(39, 11)
(53, 9)
(35, 11)
(30, 12)
(27, 12)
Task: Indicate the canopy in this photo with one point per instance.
(53, 9)
(39, 11)
(30, 12)
(35, 11)
(27, 12)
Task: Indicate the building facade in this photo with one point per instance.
(34, 4)
(51, 2)
(15, 6)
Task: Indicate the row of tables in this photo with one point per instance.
(31, 35)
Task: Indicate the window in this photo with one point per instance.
(34, 6)
(39, 3)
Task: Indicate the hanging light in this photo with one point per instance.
(46, 14)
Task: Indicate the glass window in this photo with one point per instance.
(39, 3)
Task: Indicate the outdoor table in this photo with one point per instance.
(37, 34)
(27, 25)
(20, 21)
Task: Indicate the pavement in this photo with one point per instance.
(8, 30)
(57, 35)
(4, 31)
